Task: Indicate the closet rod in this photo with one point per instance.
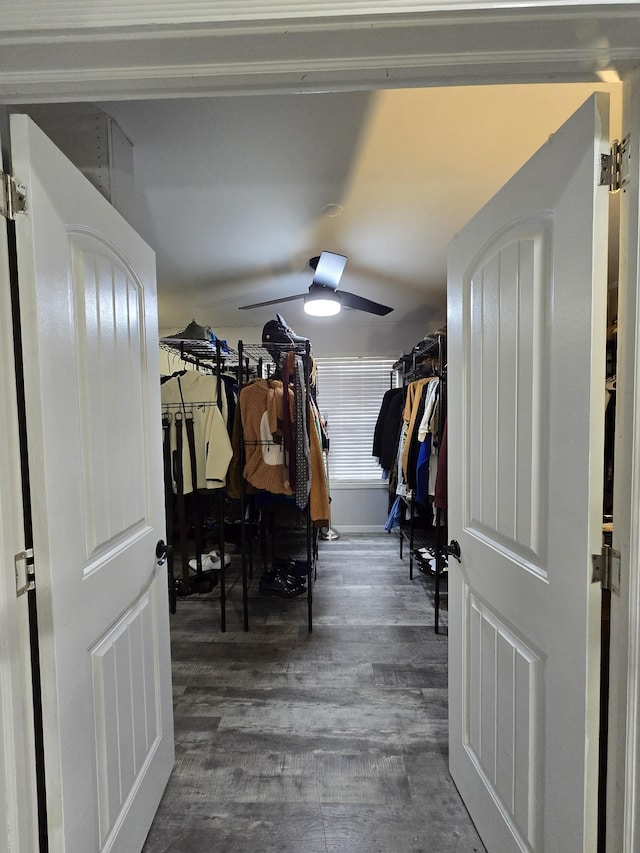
(189, 405)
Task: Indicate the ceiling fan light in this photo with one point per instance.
(324, 305)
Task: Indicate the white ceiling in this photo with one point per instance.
(232, 192)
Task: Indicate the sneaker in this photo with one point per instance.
(208, 565)
(214, 556)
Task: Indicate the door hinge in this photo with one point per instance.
(615, 167)
(606, 569)
(13, 196)
(25, 571)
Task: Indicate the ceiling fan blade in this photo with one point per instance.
(351, 300)
(329, 269)
(274, 301)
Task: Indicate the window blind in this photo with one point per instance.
(350, 392)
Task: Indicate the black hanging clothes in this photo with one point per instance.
(440, 498)
(387, 430)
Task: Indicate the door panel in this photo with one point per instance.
(88, 311)
(527, 325)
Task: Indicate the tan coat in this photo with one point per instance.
(258, 428)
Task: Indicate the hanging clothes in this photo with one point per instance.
(412, 402)
(429, 440)
(303, 478)
(413, 413)
(288, 431)
(609, 444)
(440, 491)
(422, 471)
(259, 428)
(191, 401)
(395, 515)
(261, 411)
(387, 429)
(319, 487)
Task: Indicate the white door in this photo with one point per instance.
(527, 327)
(89, 330)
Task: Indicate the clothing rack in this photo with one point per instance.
(205, 354)
(428, 358)
(208, 357)
(443, 552)
(261, 359)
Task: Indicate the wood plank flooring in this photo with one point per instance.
(333, 741)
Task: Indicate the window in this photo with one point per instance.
(350, 392)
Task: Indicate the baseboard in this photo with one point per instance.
(361, 528)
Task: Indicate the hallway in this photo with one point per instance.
(330, 742)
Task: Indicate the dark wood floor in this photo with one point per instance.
(329, 742)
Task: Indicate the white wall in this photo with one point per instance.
(355, 510)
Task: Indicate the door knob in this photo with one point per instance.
(453, 549)
(162, 552)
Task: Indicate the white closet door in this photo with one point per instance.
(527, 327)
(89, 325)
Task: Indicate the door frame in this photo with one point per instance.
(623, 787)
(18, 789)
(54, 52)
(535, 43)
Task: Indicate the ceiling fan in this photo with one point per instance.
(323, 298)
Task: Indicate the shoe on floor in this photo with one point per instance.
(198, 585)
(280, 586)
(288, 569)
(208, 565)
(215, 557)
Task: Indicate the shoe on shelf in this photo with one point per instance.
(214, 556)
(208, 564)
(426, 552)
(426, 566)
